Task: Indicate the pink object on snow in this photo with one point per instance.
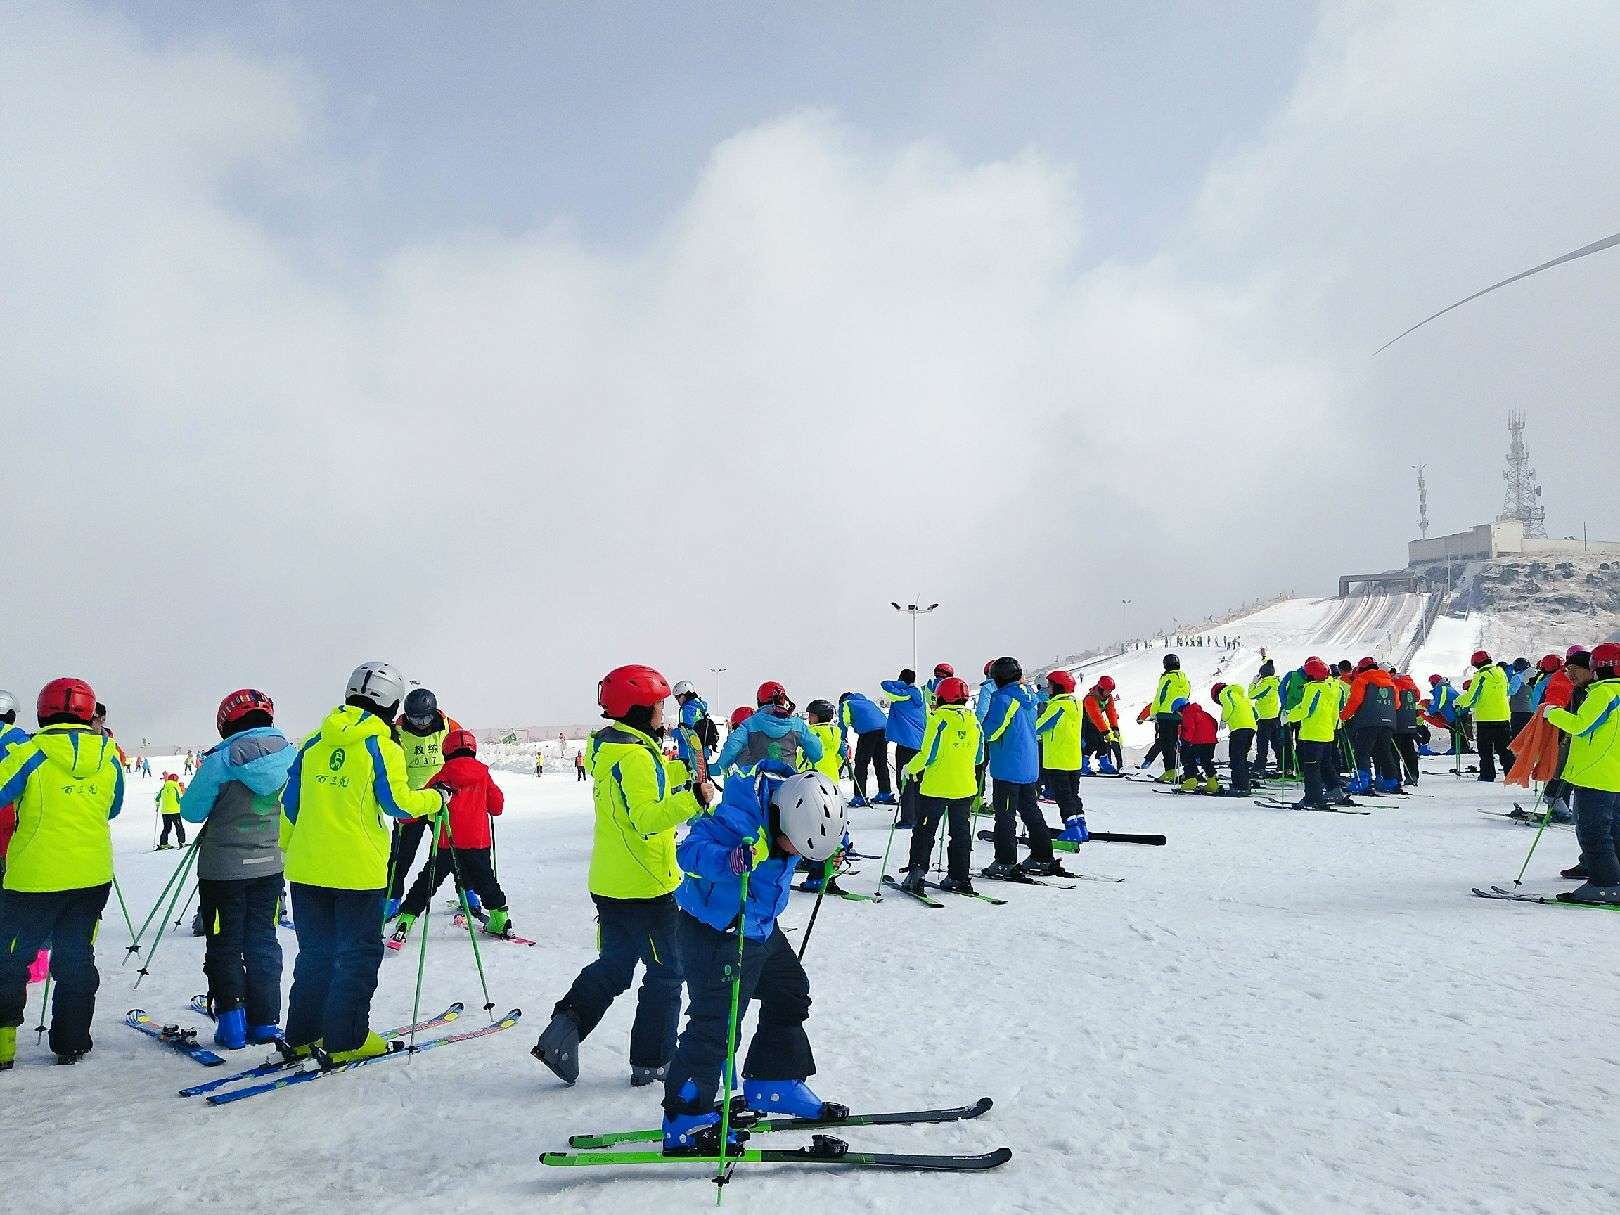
(40, 966)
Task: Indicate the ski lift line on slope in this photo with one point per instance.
(1608, 242)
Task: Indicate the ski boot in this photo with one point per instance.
(402, 932)
(230, 1029)
(1074, 830)
(857, 802)
(67, 1058)
(374, 1045)
(1190, 785)
(912, 883)
(1307, 804)
(1360, 783)
(641, 1077)
(1587, 892)
(1212, 785)
(885, 799)
(1051, 868)
(1561, 813)
(1168, 777)
(261, 1035)
(790, 1097)
(473, 903)
(1105, 767)
(499, 923)
(8, 1047)
(558, 1047)
(1085, 766)
(391, 909)
(697, 1134)
(958, 886)
(1389, 784)
(1575, 873)
(1005, 871)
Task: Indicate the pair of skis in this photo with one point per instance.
(1516, 896)
(823, 1150)
(1273, 803)
(928, 900)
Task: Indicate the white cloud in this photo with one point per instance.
(839, 373)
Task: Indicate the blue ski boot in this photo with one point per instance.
(1085, 765)
(858, 801)
(230, 1029)
(697, 1134)
(391, 909)
(473, 905)
(262, 1034)
(884, 799)
(791, 1097)
(1360, 783)
(1105, 766)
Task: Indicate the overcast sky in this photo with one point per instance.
(511, 342)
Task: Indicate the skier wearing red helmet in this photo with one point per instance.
(66, 783)
(641, 797)
(1488, 698)
(1099, 729)
(1317, 715)
(239, 866)
(1057, 726)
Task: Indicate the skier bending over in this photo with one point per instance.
(763, 824)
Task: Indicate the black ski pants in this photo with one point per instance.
(871, 750)
(1406, 747)
(630, 931)
(1196, 757)
(959, 851)
(1237, 754)
(908, 788)
(1375, 751)
(66, 920)
(1065, 787)
(174, 823)
(1492, 738)
(1015, 801)
(402, 853)
(243, 955)
(1318, 762)
(1167, 737)
(1268, 743)
(472, 871)
(771, 974)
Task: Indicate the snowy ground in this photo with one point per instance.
(1277, 1012)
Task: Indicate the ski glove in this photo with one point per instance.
(741, 859)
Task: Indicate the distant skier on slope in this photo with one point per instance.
(168, 809)
(641, 797)
(763, 824)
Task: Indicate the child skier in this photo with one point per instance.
(1099, 728)
(1266, 697)
(66, 784)
(420, 732)
(641, 797)
(830, 765)
(946, 769)
(1196, 738)
(771, 732)
(1009, 727)
(464, 842)
(763, 824)
(346, 782)
(168, 807)
(1173, 686)
(1058, 729)
(1237, 715)
(237, 795)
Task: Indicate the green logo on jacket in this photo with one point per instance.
(336, 760)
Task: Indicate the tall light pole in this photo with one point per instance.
(718, 703)
(913, 610)
(1125, 623)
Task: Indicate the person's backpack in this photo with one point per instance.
(708, 734)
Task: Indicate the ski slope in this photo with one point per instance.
(1385, 626)
(1276, 1012)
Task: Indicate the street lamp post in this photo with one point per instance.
(913, 610)
(718, 702)
(1125, 622)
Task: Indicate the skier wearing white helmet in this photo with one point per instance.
(763, 824)
(348, 780)
(697, 729)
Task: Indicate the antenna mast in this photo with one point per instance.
(1423, 503)
(1521, 496)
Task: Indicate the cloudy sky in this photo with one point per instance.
(510, 342)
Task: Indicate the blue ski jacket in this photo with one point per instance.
(709, 891)
(858, 715)
(1009, 732)
(981, 703)
(908, 713)
(773, 728)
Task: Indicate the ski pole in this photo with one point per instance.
(1545, 819)
(186, 906)
(135, 942)
(122, 907)
(185, 871)
(826, 876)
(427, 912)
(721, 1176)
(466, 914)
(884, 868)
(44, 1007)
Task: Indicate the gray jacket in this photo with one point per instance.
(236, 794)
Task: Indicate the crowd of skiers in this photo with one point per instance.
(341, 817)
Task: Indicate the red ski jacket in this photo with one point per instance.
(1197, 726)
(1560, 690)
(474, 797)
